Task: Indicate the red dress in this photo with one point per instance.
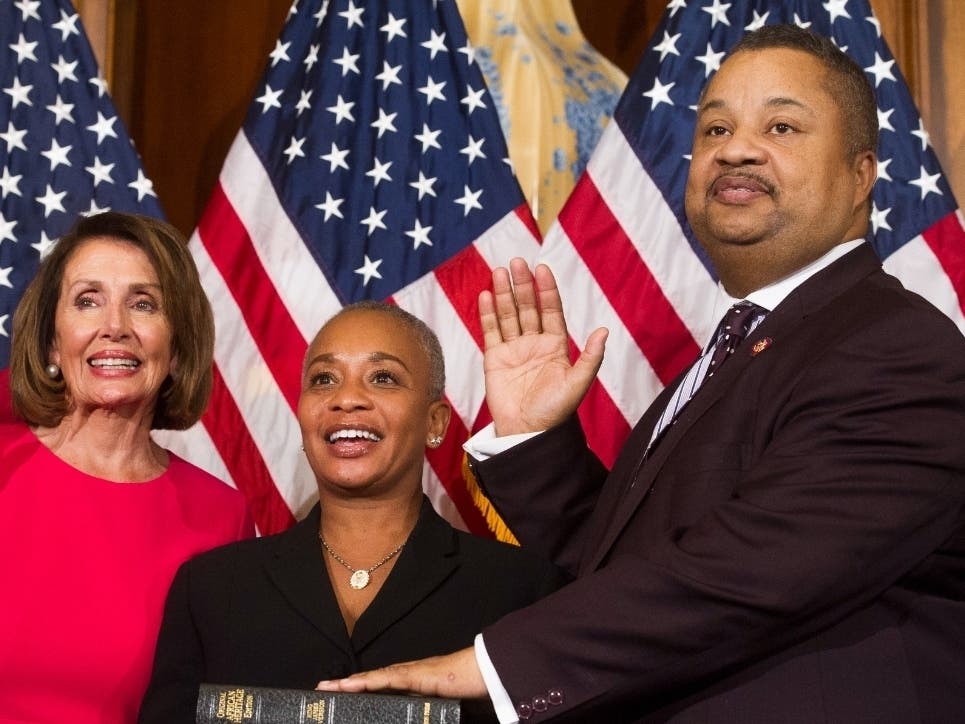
(85, 565)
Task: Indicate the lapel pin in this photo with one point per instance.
(760, 345)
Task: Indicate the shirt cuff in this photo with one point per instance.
(484, 444)
(505, 711)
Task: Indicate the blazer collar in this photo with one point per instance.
(296, 567)
(813, 294)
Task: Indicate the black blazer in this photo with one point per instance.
(262, 612)
(792, 550)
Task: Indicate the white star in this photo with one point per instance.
(100, 172)
(368, 270)
(100, 84)
(922, 134)
(469, 200)
(51, 201)
(660, 93)
(64, 70)
(294, 149)
(874, 21)
(881, 69)
(94, 209)
(883, 165)
(23, 49)
(103, 128)
(5, 277)
(432, 90)
(303, 102)
(19, 93)
(312, 56)
(9, 184)
(336, 158)
(427, 138)
(280, 53)
(142, 185)
(800, 23)
(758, 22)
(67, 25)
(419, 234)
(342, 110)
(435, 44)
(6, 229)
(424, 185)
(668, 45)
(879, 218)
(269, 99)
(379, 172)
(330, 206)
(473, 99)
(374, 221)
(353, 15)
(469, 52)
(293, 10)
(836, 9)
(393, 28)
(57, 154)
(28, 9)
(62, 111)
(3, 324)
(320, 15)
(473, 150)
(14, 137)
(718, 13)
(384, 122)
(884, 120)
(347, 62)
(711, 60)
(927, 184)
(674, 5)
(45, 244)
(389, 74)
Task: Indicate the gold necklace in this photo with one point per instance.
(360, 576)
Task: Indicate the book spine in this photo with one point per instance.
(228, 704)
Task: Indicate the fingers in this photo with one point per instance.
(455, 675)
(550, 303)
(527, 310)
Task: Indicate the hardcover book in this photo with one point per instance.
(219, 703)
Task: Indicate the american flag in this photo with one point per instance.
(371, 165)
(63, 150)
(622, 249)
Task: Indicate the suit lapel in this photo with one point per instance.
(632, 486)
(296, 568)
(429, 558)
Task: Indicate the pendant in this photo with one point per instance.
(359, 579)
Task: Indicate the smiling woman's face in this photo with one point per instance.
(112, 339)
(364, 409)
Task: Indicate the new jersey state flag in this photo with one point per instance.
(371, 165)
(63, 150)
(623, 252)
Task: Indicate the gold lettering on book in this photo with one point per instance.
(315, 711)
(426, 711)
(233, 704)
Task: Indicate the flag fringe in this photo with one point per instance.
(495, 522)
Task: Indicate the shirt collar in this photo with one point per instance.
(773, 294)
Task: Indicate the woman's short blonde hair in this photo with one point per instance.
(40, 400)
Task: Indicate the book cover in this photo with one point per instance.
(218, 703)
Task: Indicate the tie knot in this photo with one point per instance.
(738, 321)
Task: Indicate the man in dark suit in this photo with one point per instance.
(782, 538)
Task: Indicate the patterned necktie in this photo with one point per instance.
(739, 321)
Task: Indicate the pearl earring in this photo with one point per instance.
(435, 441)
(53, 371)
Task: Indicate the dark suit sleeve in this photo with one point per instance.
(545, 488)
(172, 693)
(850, 476)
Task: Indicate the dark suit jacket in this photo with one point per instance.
(262, 612)
(792, 550)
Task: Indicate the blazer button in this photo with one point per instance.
(555, 697)
(540, 704)
(525, 711)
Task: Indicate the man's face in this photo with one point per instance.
(771, 186)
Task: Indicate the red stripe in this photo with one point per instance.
(227, 428)
(626, 281)
(946, 239)
(604, 424)
(461, 278)
(278, 340)
(525, 215)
